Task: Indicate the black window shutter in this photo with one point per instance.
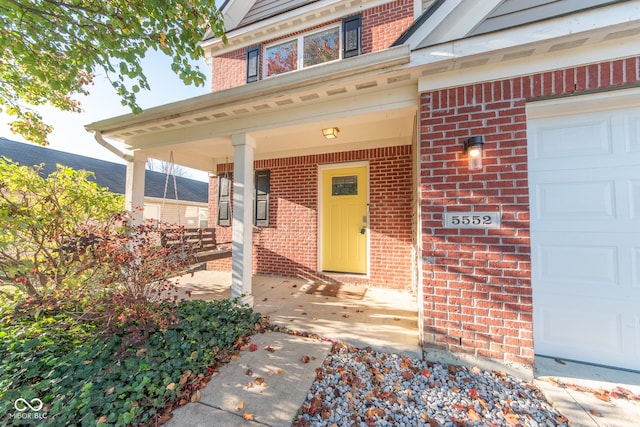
(351, 28)
(261, 207)
(224, 200)
(253, 63)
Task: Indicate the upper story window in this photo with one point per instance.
(303, 52)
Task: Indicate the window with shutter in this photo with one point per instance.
(351, 28)
(253, 63)
(224, 200)
(261, 199)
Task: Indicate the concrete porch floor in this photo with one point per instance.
(384, 319)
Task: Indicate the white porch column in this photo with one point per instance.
(242, 249)
(134, 187)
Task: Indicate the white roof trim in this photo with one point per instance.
(235, 11)
(453, 20)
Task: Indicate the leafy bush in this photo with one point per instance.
(40, 218)
(83, 377)
(65, 232)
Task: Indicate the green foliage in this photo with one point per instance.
(84, 377)
(41, 218)
(51, 50)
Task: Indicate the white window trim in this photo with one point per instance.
(300, 43)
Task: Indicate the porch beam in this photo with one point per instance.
(134, 187)
(242, 234)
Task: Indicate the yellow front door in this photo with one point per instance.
(344, 220)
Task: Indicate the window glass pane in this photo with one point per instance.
(344, 185)
(321, 47)
(282, 58)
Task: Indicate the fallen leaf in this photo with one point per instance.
(407, 375)
(561, 418)
(561, 362)
(315, 318)
(141, 351)
(279, 371)
(253, 347)
(270, 349)
(269, 373)
(305, 359)
(234, 357)
(102, 420)
(473, 393)
(473, 415)
(171, 386)
(248, 372)
(260, 381)
(483, 403)
(425, 373)
(304, 313)
(476, 370)
(511, 418)
(195, 397)
(247, 416)
(455, 389)
(602, 396)
(110, 390)
(240, 405)
(595, 413)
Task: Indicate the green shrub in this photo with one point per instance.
(83, 376)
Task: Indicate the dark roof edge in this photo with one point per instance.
(418, 23)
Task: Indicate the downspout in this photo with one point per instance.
(98, 137)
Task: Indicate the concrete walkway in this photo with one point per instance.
(385, 320)
(260, 388)
(582, 393)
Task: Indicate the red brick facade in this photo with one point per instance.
(381, 26)
(289, 245)
(477, 283)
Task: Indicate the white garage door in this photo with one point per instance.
(584, 174)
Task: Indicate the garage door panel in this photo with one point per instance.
(632, 124)
(584, 187)
(588, 141)
(634, 199)
(595, 329)
(572, 200)
(576, 199)
(601, 260)
(582, 265)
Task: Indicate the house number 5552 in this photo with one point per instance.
(472, 220)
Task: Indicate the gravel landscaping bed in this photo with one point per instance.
(360, 387)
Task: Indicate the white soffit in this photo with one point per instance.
(587, 37)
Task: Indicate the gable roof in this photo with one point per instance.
(107, 174)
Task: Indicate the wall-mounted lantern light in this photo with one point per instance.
(330, 133)
(473, 149)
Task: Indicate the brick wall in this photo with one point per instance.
(477, 283)
(381, 26)
(229, 70)
(289, 246)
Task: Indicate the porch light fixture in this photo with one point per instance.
(473, 149)
(330, 133)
